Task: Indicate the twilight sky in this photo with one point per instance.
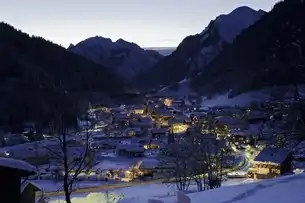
(149, 23)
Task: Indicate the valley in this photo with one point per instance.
(219, 118)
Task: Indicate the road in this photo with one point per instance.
(241, 170)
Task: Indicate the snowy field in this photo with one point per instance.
(143, 192)
(51, 186)
(241, 100)
(280, 190)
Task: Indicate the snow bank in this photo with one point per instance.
(17, 164)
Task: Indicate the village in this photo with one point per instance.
(125, 144)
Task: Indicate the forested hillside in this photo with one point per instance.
(38, 76)
(270, 52)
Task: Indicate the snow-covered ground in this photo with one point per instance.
(182, 90)
(51, 186)
(111, 164)
(142, 192)
(241, 100)
(280, 190)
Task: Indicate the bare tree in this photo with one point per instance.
(71, 162)
(176, 161)
(214, 159)
(198, 165)
(208, 160)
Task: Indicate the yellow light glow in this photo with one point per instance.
(180, 128)
(138, 111)
(168, 102)
(151, 146)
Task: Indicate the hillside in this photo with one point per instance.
(37, 76)
(196, 51)
(269, 53)
(124, 58)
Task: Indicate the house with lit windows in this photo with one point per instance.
(271, 162)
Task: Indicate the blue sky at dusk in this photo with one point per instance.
(149, 23)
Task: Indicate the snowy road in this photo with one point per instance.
(241, 170)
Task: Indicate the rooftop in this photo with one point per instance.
(272, 155)
(22, 166)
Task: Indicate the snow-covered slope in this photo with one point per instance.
(221, 31)
(242, 100)
(233, 23)
(257, 56)
(280, 190)
(179, 89)
(124, 58)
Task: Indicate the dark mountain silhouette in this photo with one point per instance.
(196, 51)
(39, 77)
(269, 53)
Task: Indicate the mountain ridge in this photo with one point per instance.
(195, 51)
(39, 78)
(126, 59)
(253, 62)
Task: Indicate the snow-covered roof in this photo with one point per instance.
(17, 164)
(163, 112)
(240, 132)
(229, 120)
(272, 155)
(142, 121)
(159, 131)
(121, 116)
(175, 121)
(199, 114)
(148, 163)
(25, 184)
(131, 147)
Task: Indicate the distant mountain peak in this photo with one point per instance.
(122, 57)
(125, 43)
(70, 46)
(259, 56)
(243, 9)
(230, 25)
(195, 52)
